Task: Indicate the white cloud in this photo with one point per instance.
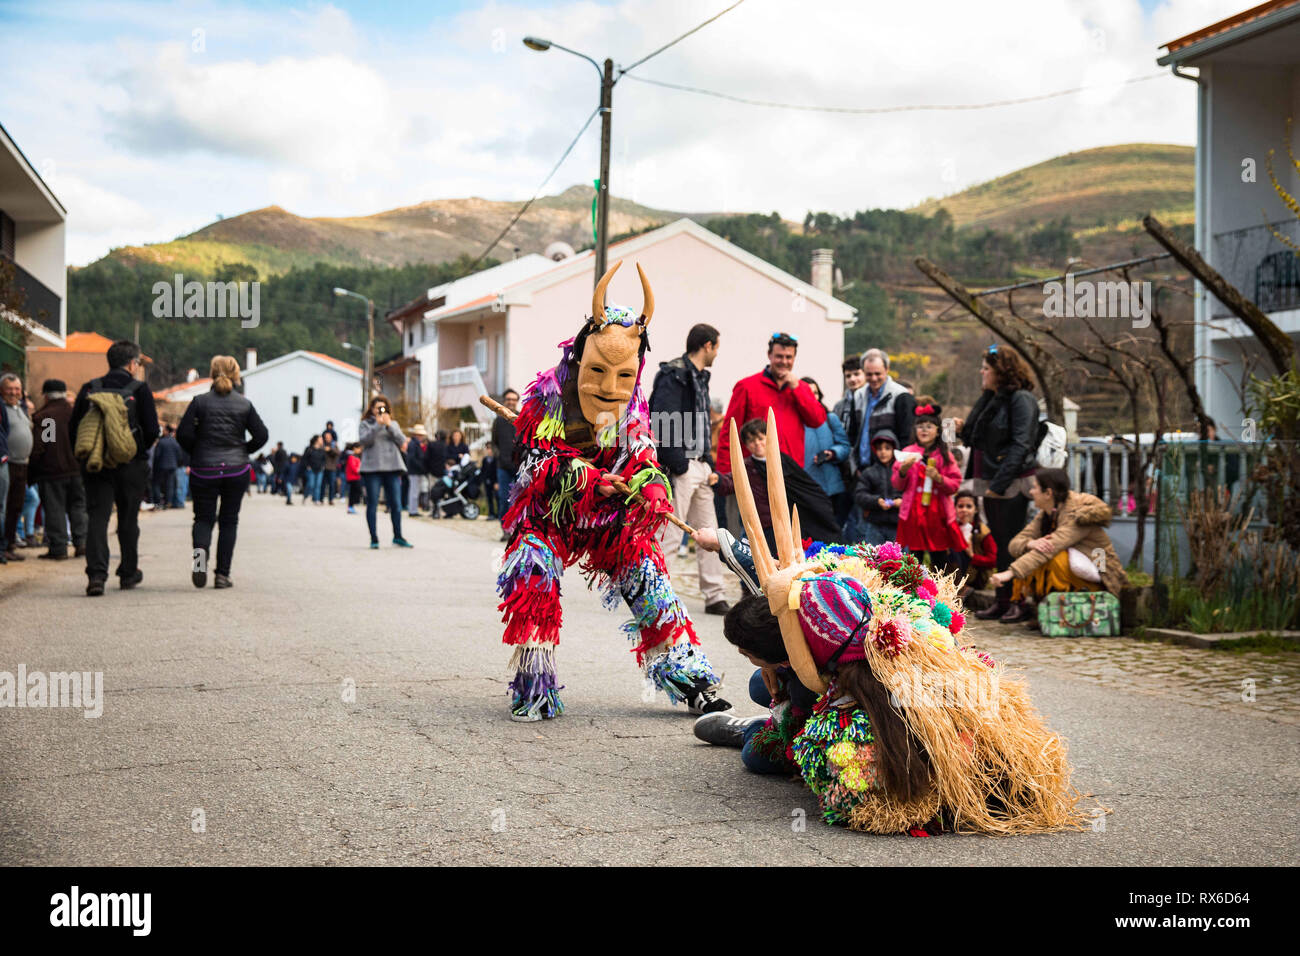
(330, 114)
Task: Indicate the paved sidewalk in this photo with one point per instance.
(229, 709)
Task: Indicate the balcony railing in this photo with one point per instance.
(40, 304)
(1260, 265)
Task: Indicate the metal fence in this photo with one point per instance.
(1260, 265)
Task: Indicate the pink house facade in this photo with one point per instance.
(495, 329)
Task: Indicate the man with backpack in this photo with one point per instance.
(110, 476)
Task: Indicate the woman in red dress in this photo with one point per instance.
(928, 477)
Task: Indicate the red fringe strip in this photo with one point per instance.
(532, 613)
(653, 637)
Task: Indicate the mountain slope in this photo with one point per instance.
(1097, 188)
(275, 240)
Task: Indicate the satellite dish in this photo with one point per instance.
(558, 251)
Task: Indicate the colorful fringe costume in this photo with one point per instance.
(993, 766)
(557, 518)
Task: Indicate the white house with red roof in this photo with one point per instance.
(1247, 73)
(499, 327)
(297, 393)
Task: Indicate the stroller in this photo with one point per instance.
(456, 493)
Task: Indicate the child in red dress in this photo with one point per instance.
(928, 477)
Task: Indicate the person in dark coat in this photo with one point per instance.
(213, 431)
(166, 459)
(313, 463)
(279, 461)
(125, 485)
(874, 492)
(417, 452)
(1001, 432)
(503, 437)
(816, 515)
(330, 481)
(54, 466)
(679, 415)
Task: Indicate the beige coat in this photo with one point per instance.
(1081, 522)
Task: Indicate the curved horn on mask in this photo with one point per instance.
(764, 566)
(647, 298)
(777, 503)
(598, 294)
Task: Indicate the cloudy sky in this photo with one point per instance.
(150, 119)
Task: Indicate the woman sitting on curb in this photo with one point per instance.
(1063, 548)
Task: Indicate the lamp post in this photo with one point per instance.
(367, 371)
(365, 396)
(607, 82)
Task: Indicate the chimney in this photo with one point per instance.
(823, 270)
(250, 360)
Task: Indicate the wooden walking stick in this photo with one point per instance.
(487, 401)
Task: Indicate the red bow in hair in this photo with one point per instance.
(925, 410)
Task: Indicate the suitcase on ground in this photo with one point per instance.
(1079, 614)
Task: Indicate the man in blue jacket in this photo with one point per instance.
(679, 415)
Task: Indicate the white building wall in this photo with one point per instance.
(39, 248)
(335, 397)
(1244, 109)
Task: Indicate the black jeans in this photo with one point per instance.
(164, 487)
(1006, 517)
(124, 487)
(206, 492)
(64, 499)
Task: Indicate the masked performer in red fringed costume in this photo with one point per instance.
(584, 424)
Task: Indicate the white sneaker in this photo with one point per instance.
(683, 551)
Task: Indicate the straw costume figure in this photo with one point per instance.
(583, 426)
(912, 732)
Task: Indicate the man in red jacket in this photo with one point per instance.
(775, 387)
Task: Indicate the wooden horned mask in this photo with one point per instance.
(611, 356)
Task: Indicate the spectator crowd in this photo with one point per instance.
(880, 465)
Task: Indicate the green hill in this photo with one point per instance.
(1108, 187)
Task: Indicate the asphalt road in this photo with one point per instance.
(226, 737)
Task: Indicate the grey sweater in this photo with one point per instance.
(381, 448)
(20, 433)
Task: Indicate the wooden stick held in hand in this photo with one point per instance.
(487, 401)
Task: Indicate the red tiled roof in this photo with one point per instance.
(333, 361)
(91, 343)
(1229, 23)
(161, 395)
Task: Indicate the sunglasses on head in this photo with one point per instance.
(782, 338)
(993, 349)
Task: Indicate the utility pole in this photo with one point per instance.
(370, 353)
(602, 199)
(367, 362)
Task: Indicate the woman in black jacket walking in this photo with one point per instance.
(213, 431)
(1002, 433)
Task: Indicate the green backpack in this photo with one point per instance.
(1079, 614)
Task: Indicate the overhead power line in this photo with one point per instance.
(868, 110)
(523, 209)
(626, 69)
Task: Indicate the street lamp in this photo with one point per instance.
(367, 371)
(607, 82)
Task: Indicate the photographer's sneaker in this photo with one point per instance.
(724, 730)
(737, 556)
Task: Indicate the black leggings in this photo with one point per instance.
(206, 492)
(1006, 517)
